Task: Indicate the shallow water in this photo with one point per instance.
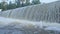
(3, 31)
(14, 26)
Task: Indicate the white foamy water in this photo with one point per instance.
(24, 23)
(6, 21)
(28, 24)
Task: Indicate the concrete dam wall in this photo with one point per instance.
(41, 12)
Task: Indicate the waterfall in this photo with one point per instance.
(44, 12)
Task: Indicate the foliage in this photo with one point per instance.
(35, 1)
(3, 5)
(18, 3)
(11, 6)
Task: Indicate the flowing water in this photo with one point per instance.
(45, 12)
(15, 26)
(31, 18)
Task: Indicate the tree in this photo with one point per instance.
(27, 2)
(18, 3)
(3, 5)
(0, 5)
(22, 3)
(35, 1)
(11, 5)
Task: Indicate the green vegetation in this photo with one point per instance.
(18, 3)
(36, 1)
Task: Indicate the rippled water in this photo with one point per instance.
(2, 31)
(14, 26)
